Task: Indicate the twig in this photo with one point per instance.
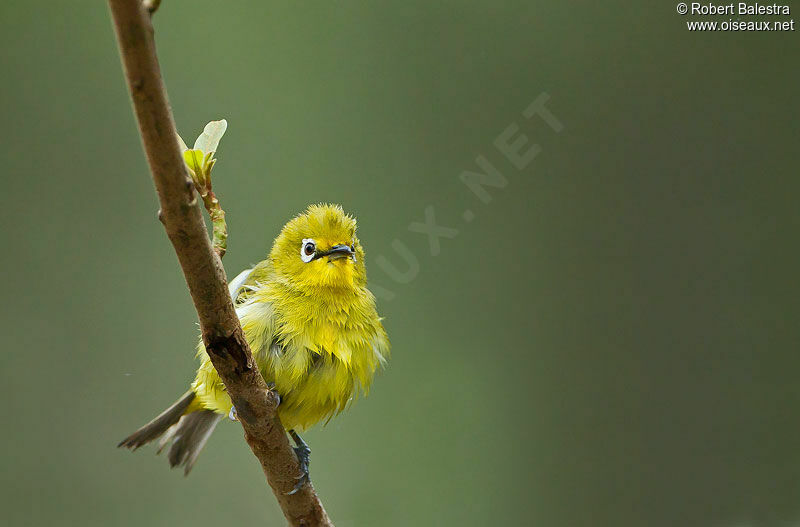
(200, 164)
(205, 276)
(218, 225)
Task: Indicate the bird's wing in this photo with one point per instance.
(256, 317)
(238, 284)
(249, 280)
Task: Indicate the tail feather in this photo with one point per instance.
(186, 433)
(188, 438)
(155, 428)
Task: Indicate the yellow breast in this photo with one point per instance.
(318, 355)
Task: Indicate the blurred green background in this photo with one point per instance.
(612, 341)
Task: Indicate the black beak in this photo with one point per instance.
(336, 252)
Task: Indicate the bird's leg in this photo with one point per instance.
(271, 386)
(232, 414)
(303, 453)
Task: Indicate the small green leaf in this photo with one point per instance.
(194, 161)
(208, 164)
(208, 141)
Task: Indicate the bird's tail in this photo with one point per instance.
(184, 426)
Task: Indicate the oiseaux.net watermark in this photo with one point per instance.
(510, 154)
(742, 16)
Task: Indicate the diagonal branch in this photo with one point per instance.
(205, 276)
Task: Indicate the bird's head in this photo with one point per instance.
(319, 249)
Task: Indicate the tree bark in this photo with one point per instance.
(182, 218)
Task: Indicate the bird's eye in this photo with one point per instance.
(353, 247)
(307, 250)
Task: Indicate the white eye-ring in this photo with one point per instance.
(307, 250)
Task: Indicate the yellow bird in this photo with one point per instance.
(313, 329)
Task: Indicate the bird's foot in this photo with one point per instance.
(303, 457)
(303, 453)
(271, 386)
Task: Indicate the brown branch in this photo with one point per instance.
(205, 276)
